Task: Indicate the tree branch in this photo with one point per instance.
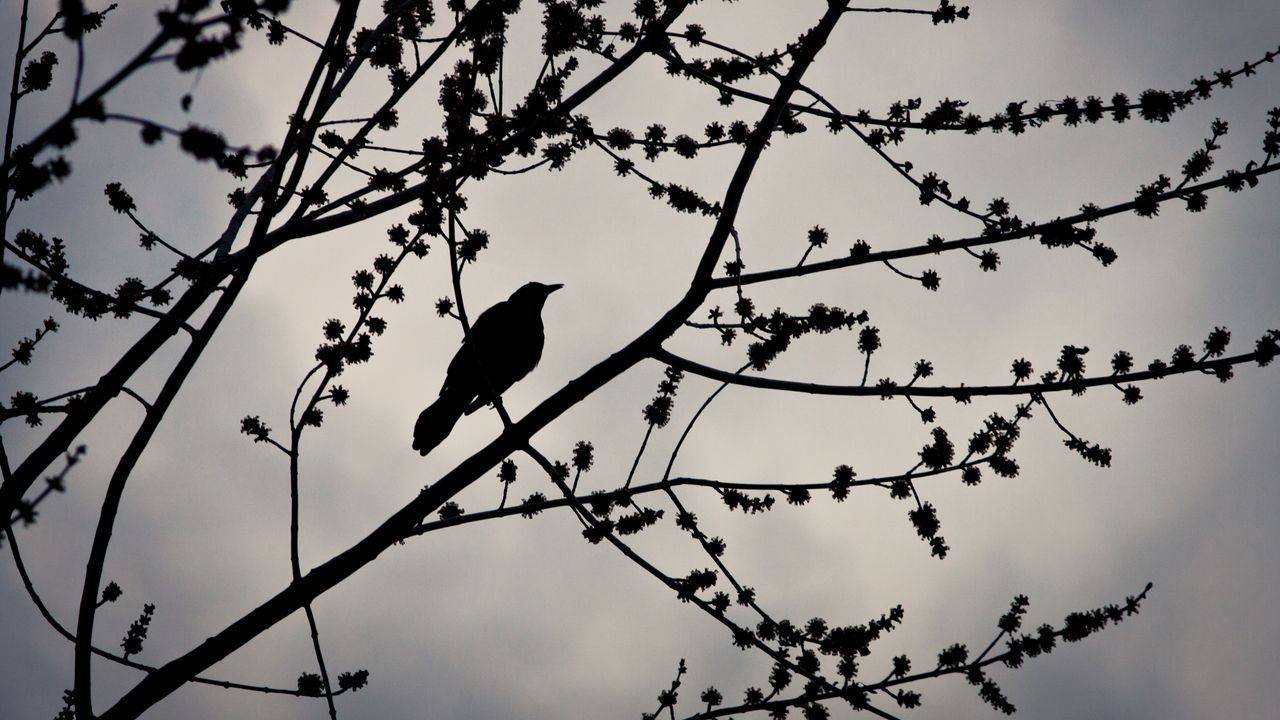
(960, 392)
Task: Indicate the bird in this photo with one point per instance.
(504, 345)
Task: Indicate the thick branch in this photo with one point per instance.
(108, 387)
(115, 491)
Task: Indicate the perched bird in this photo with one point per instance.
(504, 345)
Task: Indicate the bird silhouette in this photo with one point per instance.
(504, 345)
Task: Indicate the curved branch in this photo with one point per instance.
(119, 659)
(981, 240)
(88, 106)
(1199, 90)
(960, 392)
(647, 488)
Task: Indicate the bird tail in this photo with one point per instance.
(437, 421)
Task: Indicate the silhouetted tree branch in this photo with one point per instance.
(346, 156)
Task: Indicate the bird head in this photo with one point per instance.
(534, 293)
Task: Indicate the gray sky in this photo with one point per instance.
(523, 618)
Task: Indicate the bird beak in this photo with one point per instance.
(554, 287)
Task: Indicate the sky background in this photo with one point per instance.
(520, 617)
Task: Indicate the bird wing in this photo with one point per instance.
(482, 343)
(504, 345)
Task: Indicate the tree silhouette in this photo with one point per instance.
(412, 123)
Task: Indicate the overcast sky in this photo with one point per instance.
(522, 618)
